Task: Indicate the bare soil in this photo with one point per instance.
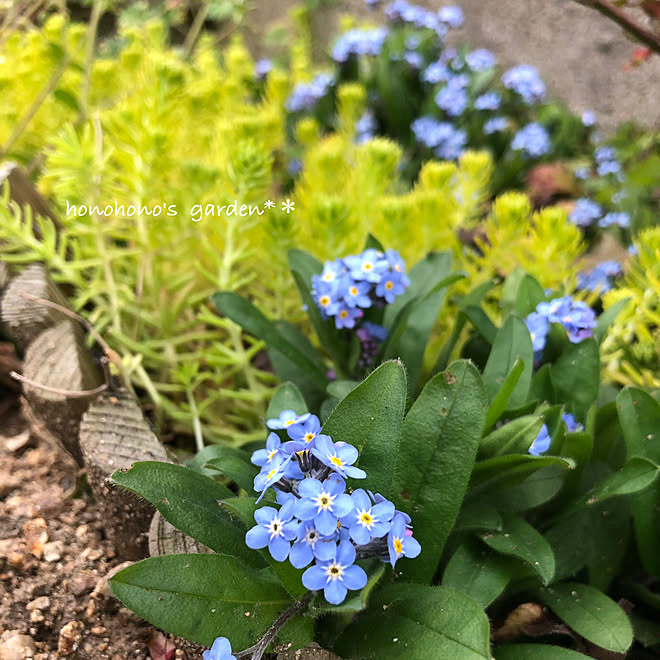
(55, 559)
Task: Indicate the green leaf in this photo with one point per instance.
(369, 418)
(373, 243)
(305, 264)
(499, 403)
(542, 388)
(234, 464)
(512, 468)
(530, 294)
(288, 371)
(513, 342)
(374, 569)
(536, 489)
(412, 316)
(243, 312)
(286, 397)
(329, 337)
(576, 376)
(478, 516)
(189, 501)
(201, 597)
(535, 652)
(439, 439)
(519, 539)
(514, 437)
(477, 572)
(420, 622)
(341, 388)
(606, 319)
(590, 613)
(479, 319)
(639, 413)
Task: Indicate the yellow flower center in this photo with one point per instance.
(324, 301)
(272, 455)
(309, 437)
(389, 285)
(398, 546)
(353, 291)
(368, 266)
(335, 460)
(397, 268)
(271, 474)
(289, 422)
(343, 314)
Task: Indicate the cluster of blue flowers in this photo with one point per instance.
(585, 212)
(575, 316)
(365, 127)
(542, 441)
(404, 12)
(599, 278)
(453, 97)
(525, 81)
(606, 161)
(444, 138)
(532, 140)
(306, 95)
(359, 42)
(349, 285)
(318, 522)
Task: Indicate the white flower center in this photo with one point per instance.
(311, 537)
(275, 527)
(334, 571)
(324, 501)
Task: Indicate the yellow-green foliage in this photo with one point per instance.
(631, 349)
(544, 244)
(153, 129)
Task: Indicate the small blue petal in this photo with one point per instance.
(257, 537)
(314, 578)
(354, 577)
(335, 592)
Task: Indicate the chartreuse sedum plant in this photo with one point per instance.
(137, 187)
(499, 509)
(631, 349)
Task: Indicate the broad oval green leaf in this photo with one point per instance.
(639, 413)
(234, 464)
(201, 597)
(415, 312)
(576, 376)
(513, 342)
(590, 613)
(519, 539)
(535, 652)
(478, 572)
(286, 397)
(189, 501)
(530, 294)
(369, 418)
(439, 439)
(242, 311)
(420, 622)
(514, 437)
(499, 403)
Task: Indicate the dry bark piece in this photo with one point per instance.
(24, 318)
(23, 192)
(165, 539)
(113, 436)
(4, 275)
(59, 359)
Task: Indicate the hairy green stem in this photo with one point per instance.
(195, 29)
(257, 651)
(89, 57)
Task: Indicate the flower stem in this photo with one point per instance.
(257, 651)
